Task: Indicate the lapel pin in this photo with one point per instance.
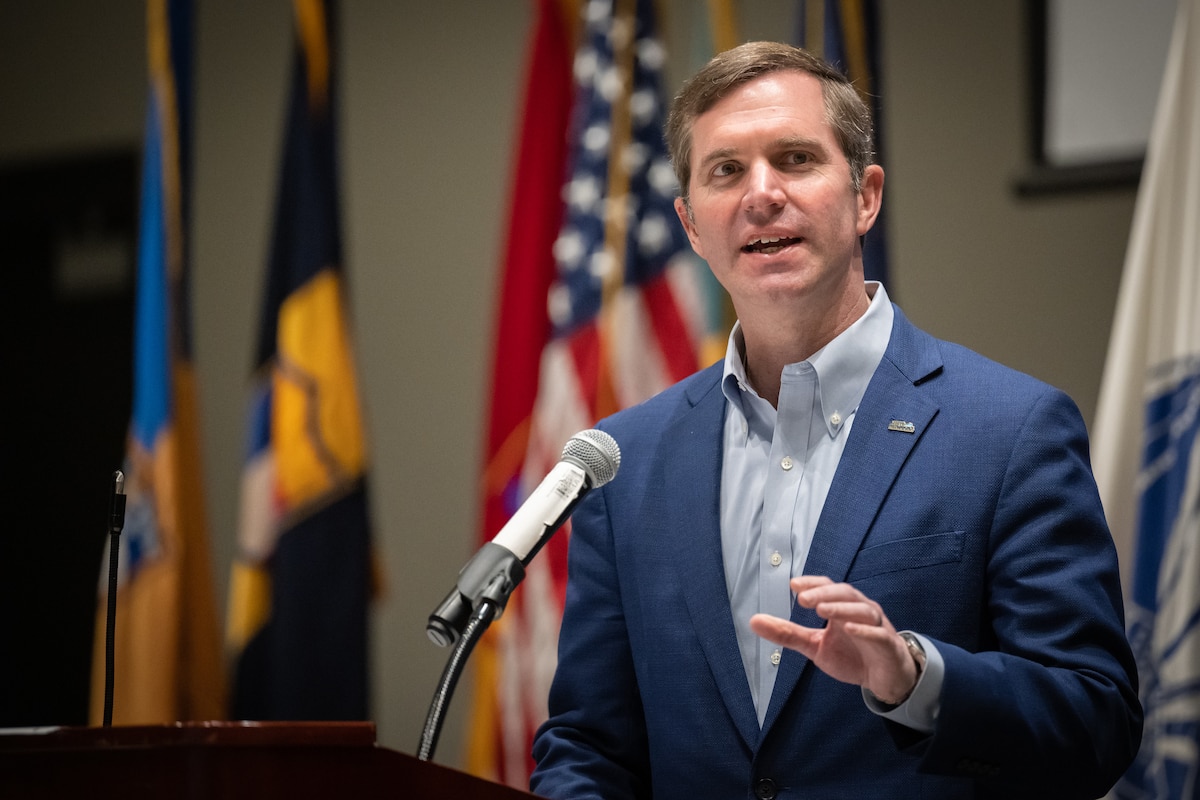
(902, 426)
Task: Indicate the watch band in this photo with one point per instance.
(913, 644)
(915, 650)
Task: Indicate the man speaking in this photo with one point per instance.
(850, 560)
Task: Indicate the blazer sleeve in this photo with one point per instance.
(1048, 706)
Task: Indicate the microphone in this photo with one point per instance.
(589, 460)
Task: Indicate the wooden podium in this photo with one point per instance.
(225, 760)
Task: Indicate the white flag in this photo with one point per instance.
(1146, 457)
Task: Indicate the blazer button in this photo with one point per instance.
(765, 789)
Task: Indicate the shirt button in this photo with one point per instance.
(776, 559)
(776, 657)
(786, 463)
(835, 418)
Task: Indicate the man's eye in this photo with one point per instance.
(797, 158)
(725, 169)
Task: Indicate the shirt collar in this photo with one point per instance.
(844, 366)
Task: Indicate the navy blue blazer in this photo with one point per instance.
(981, 529)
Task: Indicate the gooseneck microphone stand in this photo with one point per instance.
(486, 583)
(116, 522)
(476, 627)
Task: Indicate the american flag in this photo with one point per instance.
(626, 313)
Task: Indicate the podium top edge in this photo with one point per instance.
(210, 733)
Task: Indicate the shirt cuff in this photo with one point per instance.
(920, 710)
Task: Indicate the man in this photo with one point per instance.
(852, 560)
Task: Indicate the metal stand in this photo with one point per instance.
(116, 522)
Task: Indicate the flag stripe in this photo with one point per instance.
(670, 329)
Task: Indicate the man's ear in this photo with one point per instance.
(684, 212)
(870, 197)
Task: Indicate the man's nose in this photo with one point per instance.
(764, 189)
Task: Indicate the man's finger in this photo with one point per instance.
(861, 612)
(803, 583)
(783, 632)
(825, 591)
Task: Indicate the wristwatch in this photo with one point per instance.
(918, 656)
(915, 650)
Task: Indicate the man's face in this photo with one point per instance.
(773, 210)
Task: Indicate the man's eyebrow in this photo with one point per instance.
(798, 142)
(718, 155)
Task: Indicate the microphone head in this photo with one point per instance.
(596, 453)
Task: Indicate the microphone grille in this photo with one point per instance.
(596, 452)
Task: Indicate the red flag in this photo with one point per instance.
(522, 324)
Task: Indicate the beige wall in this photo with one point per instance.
(428, 93)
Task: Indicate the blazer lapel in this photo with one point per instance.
(692, 443)
(881, 440)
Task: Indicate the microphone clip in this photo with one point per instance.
(492, 574)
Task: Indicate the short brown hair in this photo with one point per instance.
(844, 108)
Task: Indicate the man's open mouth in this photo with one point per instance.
(770, 244)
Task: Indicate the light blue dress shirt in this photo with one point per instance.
(777, 469)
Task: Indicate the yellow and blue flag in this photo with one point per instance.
(301, 582)
(167, 644)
